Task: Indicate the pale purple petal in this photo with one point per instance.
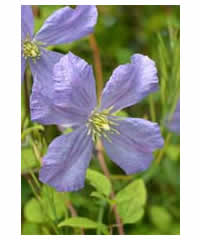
(174, 122)
(132, 148)
(43, 69)
(130, 83)
(65, 164)
(67, 24)
(27, 21)
(74, 84)
(42, 103)
(23, 67)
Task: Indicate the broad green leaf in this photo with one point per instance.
(134, 191)
(130, 214)
(130, 201)
(161, 218)
(82, 222)
(33, 212)
(99, 181)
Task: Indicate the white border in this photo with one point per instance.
(10, 118)
(101, 2)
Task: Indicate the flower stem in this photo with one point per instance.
(107, 174)
(73, 212)
(99, 76)
(97, 64)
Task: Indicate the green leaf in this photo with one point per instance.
(97, 195)
(99, 181)
(134, 191)
(130, 214)
(54, 203)
(161, 218)
(33, 212)
(51, 206)
(130, 201)
(31, 229)
(82, 222)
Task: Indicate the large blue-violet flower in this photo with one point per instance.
(71, 101)
(173, 123)
(63, 26)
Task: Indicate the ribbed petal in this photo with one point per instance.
(66, 161)
(74, 84)
(42, 104)
(130, 83)
(27, 21)
(132, 148)
(23, 67)
(67, 24)
(174, 122)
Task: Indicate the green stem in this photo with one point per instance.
(100, 217)
(162, 151)
(152, 108)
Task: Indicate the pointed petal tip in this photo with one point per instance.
(130, 83)
(73, 25)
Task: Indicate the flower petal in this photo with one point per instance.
(174, 123)
(130, 83)
(23, 67)
(42, 104)
(74, 84)
(27, 21)
(66, 161)
(132, 148)
(67, 24)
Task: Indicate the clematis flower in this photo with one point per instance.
(63, 26)
(174, 123)
(129, 142)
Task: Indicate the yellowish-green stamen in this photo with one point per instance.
(99, 124)
(31, 49)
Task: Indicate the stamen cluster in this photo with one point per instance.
(100, 124)
(31, 49)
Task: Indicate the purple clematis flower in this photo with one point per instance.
(63, 26)
(129, 142)
(174, 123)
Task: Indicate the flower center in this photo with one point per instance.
(31, 49)
(100, 124)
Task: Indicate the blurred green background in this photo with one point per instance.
(120, 32)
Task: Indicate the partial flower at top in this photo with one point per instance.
(129, 142)
(63, 26)
(174, 123)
